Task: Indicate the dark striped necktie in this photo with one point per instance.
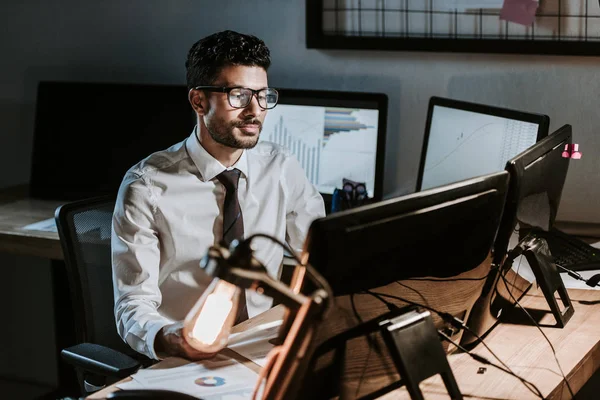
(233, 223)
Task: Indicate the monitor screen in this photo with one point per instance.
(463, 140)
(440, 232)
(87, 135)
(334, 135)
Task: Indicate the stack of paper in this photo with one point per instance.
(220, 378)
(255, 343)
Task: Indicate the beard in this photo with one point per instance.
(222, 133)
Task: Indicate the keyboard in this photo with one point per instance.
(569, 251)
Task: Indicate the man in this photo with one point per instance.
(173, 205)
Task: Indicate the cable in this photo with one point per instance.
(354, 310)
(543, 334)
(516, 271)
(485, 361)
(279, 242)
(389, 305)
(519, 250)
(312, 273)
(414, 290)
(457, 323)
(452, 279)
(449, 318)
(576, 275)
(506, 266)
(372, 342)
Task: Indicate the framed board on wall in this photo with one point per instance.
(562, 27)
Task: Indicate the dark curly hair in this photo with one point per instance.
(209, 55)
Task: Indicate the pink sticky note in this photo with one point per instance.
(519, 11)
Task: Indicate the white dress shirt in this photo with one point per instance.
(169, 211)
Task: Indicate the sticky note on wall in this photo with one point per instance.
(519, 11)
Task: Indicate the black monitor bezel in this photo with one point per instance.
(40, 155)
(542, 120)
(367, 100)
(347, 99)
(517, 167)
(408, 206)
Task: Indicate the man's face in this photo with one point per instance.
(238, 128)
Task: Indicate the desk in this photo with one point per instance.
(521, 347)
(525, 351)
(528, 354)
(16, 211)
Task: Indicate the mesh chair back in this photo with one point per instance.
(84, 228)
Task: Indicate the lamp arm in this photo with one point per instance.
(239, 267)
(286, 376)
(304, 313)
(261, 282)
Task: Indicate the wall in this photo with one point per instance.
(147, 41)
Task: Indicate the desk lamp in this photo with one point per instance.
(207, 326)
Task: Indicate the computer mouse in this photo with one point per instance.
(151, 394)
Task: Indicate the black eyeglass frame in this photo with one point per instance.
(225, 89)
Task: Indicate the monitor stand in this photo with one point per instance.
(417, 352)
(546, 274)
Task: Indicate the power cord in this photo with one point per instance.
(485, 361)
(543, 334)
(592, 282)
(454, 279)
(459, 324)
(372, 343)
(312, 274)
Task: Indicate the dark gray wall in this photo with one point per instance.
(147, 41)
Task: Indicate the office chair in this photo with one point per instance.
(101, 356)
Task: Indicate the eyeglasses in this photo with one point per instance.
(240, 97)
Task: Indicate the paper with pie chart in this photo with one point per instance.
(221, 378)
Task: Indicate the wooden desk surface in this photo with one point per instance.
(528, 354)
(17, 211)
(523, 348)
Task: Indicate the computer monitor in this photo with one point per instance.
(463, 140)
(537, 177)
(440, 232)
(334, 135)
(87, 135)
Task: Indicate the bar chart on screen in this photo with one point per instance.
(330, 143)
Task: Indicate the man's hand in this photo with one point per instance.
(170, 342)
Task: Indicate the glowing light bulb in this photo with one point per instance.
(206, 328)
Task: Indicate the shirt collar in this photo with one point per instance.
(208, 166)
